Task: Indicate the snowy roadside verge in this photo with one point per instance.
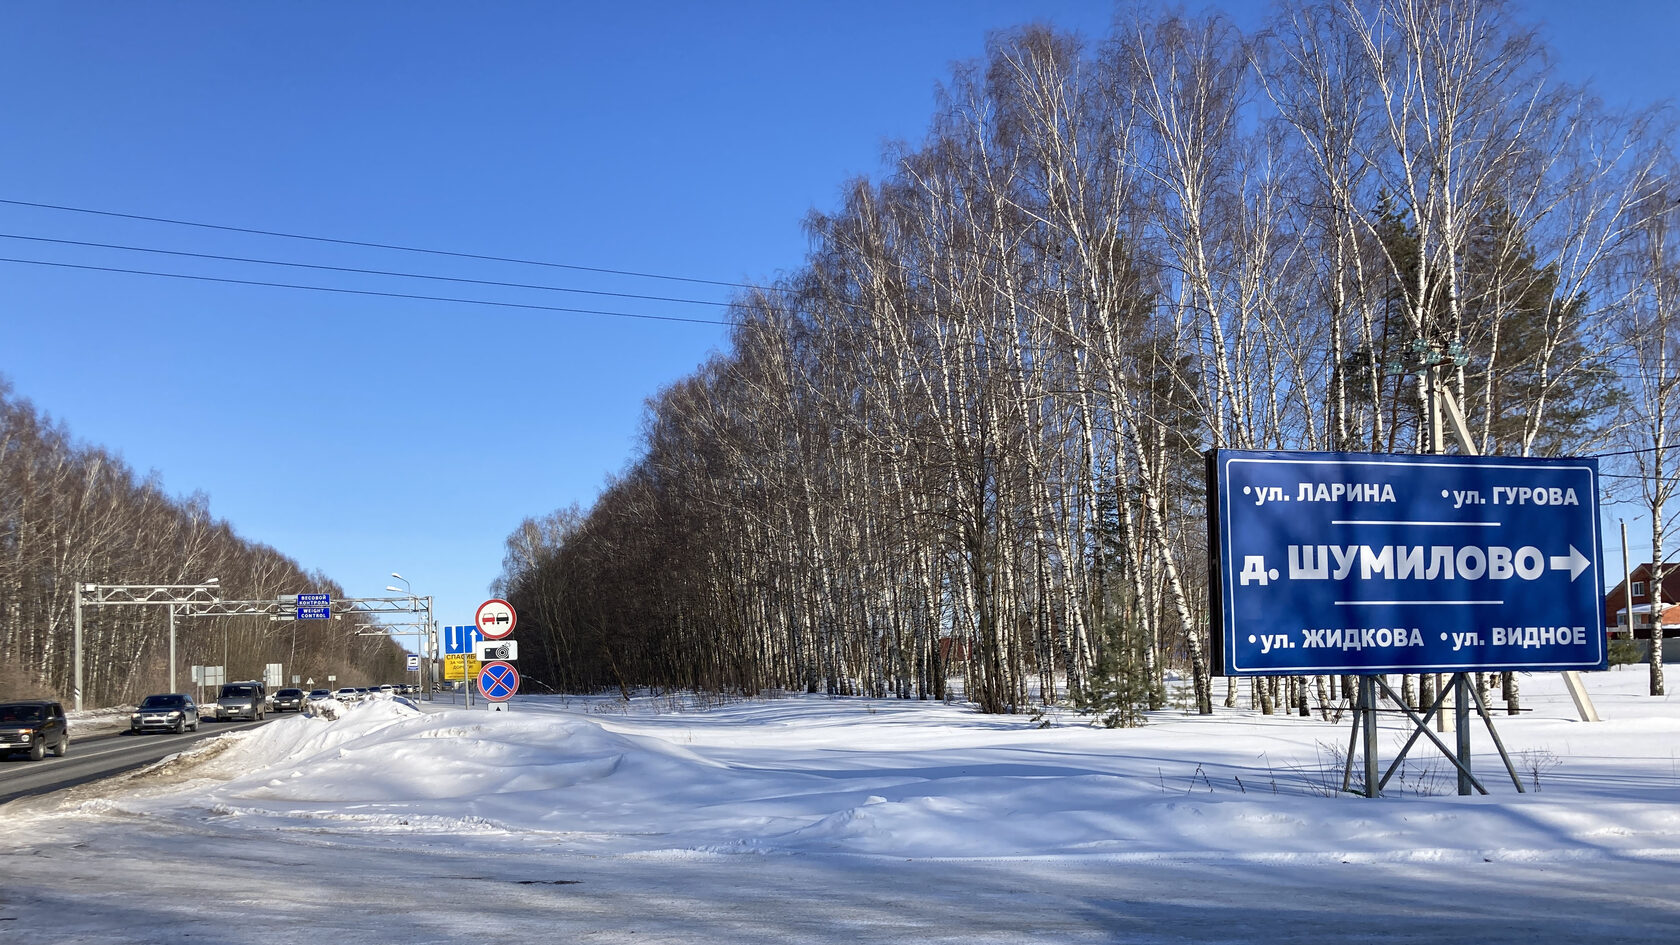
(808, 775)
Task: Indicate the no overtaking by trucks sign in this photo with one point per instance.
(495, 619)
(1371, 563)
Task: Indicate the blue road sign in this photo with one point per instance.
(1364, 563)
(498, 681)
(464, 639)
(314, 613)
(314, 600)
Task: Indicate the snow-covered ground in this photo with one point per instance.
(806, 819)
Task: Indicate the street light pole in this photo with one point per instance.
(77, 691)
(424, 633)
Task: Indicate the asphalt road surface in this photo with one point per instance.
(98, 756)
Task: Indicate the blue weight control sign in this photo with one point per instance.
(314, 607)
(1359, 563)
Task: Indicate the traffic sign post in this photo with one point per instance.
(460, 666)
(313, 606)
(505, 650)
(462, 639)
(1352, 563)
(1365, 564)
(460, 661)
(495, 619)
(498, 681)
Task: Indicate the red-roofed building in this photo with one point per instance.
(1647, 606)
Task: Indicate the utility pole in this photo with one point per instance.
(1627, 584)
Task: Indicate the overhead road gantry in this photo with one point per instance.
(287, 607)
(173, 596)
(201, 600)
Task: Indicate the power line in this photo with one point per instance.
(445, 253)
(369, 292)
(358, 271)
(371, 245)
(1648, 449)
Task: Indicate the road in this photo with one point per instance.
(98, 756)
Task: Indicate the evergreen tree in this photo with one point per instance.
(1119, 689)
(1530, 376)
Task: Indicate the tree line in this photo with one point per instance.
(963, 443)
(73, 513)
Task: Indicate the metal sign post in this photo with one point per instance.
(459, 663)
(1356, 563)
(495, 619)
(1365, 564)
(498, 681)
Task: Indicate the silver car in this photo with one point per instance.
(171, 712)
(242, 700)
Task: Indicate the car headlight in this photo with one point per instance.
(174, 715)
(135, 717)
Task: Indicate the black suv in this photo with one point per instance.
(33, 726)
(288, 700)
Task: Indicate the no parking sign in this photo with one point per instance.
(498, 681)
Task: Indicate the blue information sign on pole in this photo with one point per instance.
(314, 607)
(463, 639)
(1357, 563)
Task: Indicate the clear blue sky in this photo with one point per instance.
(364, 435)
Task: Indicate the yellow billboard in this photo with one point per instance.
(460, 666)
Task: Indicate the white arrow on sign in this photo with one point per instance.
(1574, 562)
